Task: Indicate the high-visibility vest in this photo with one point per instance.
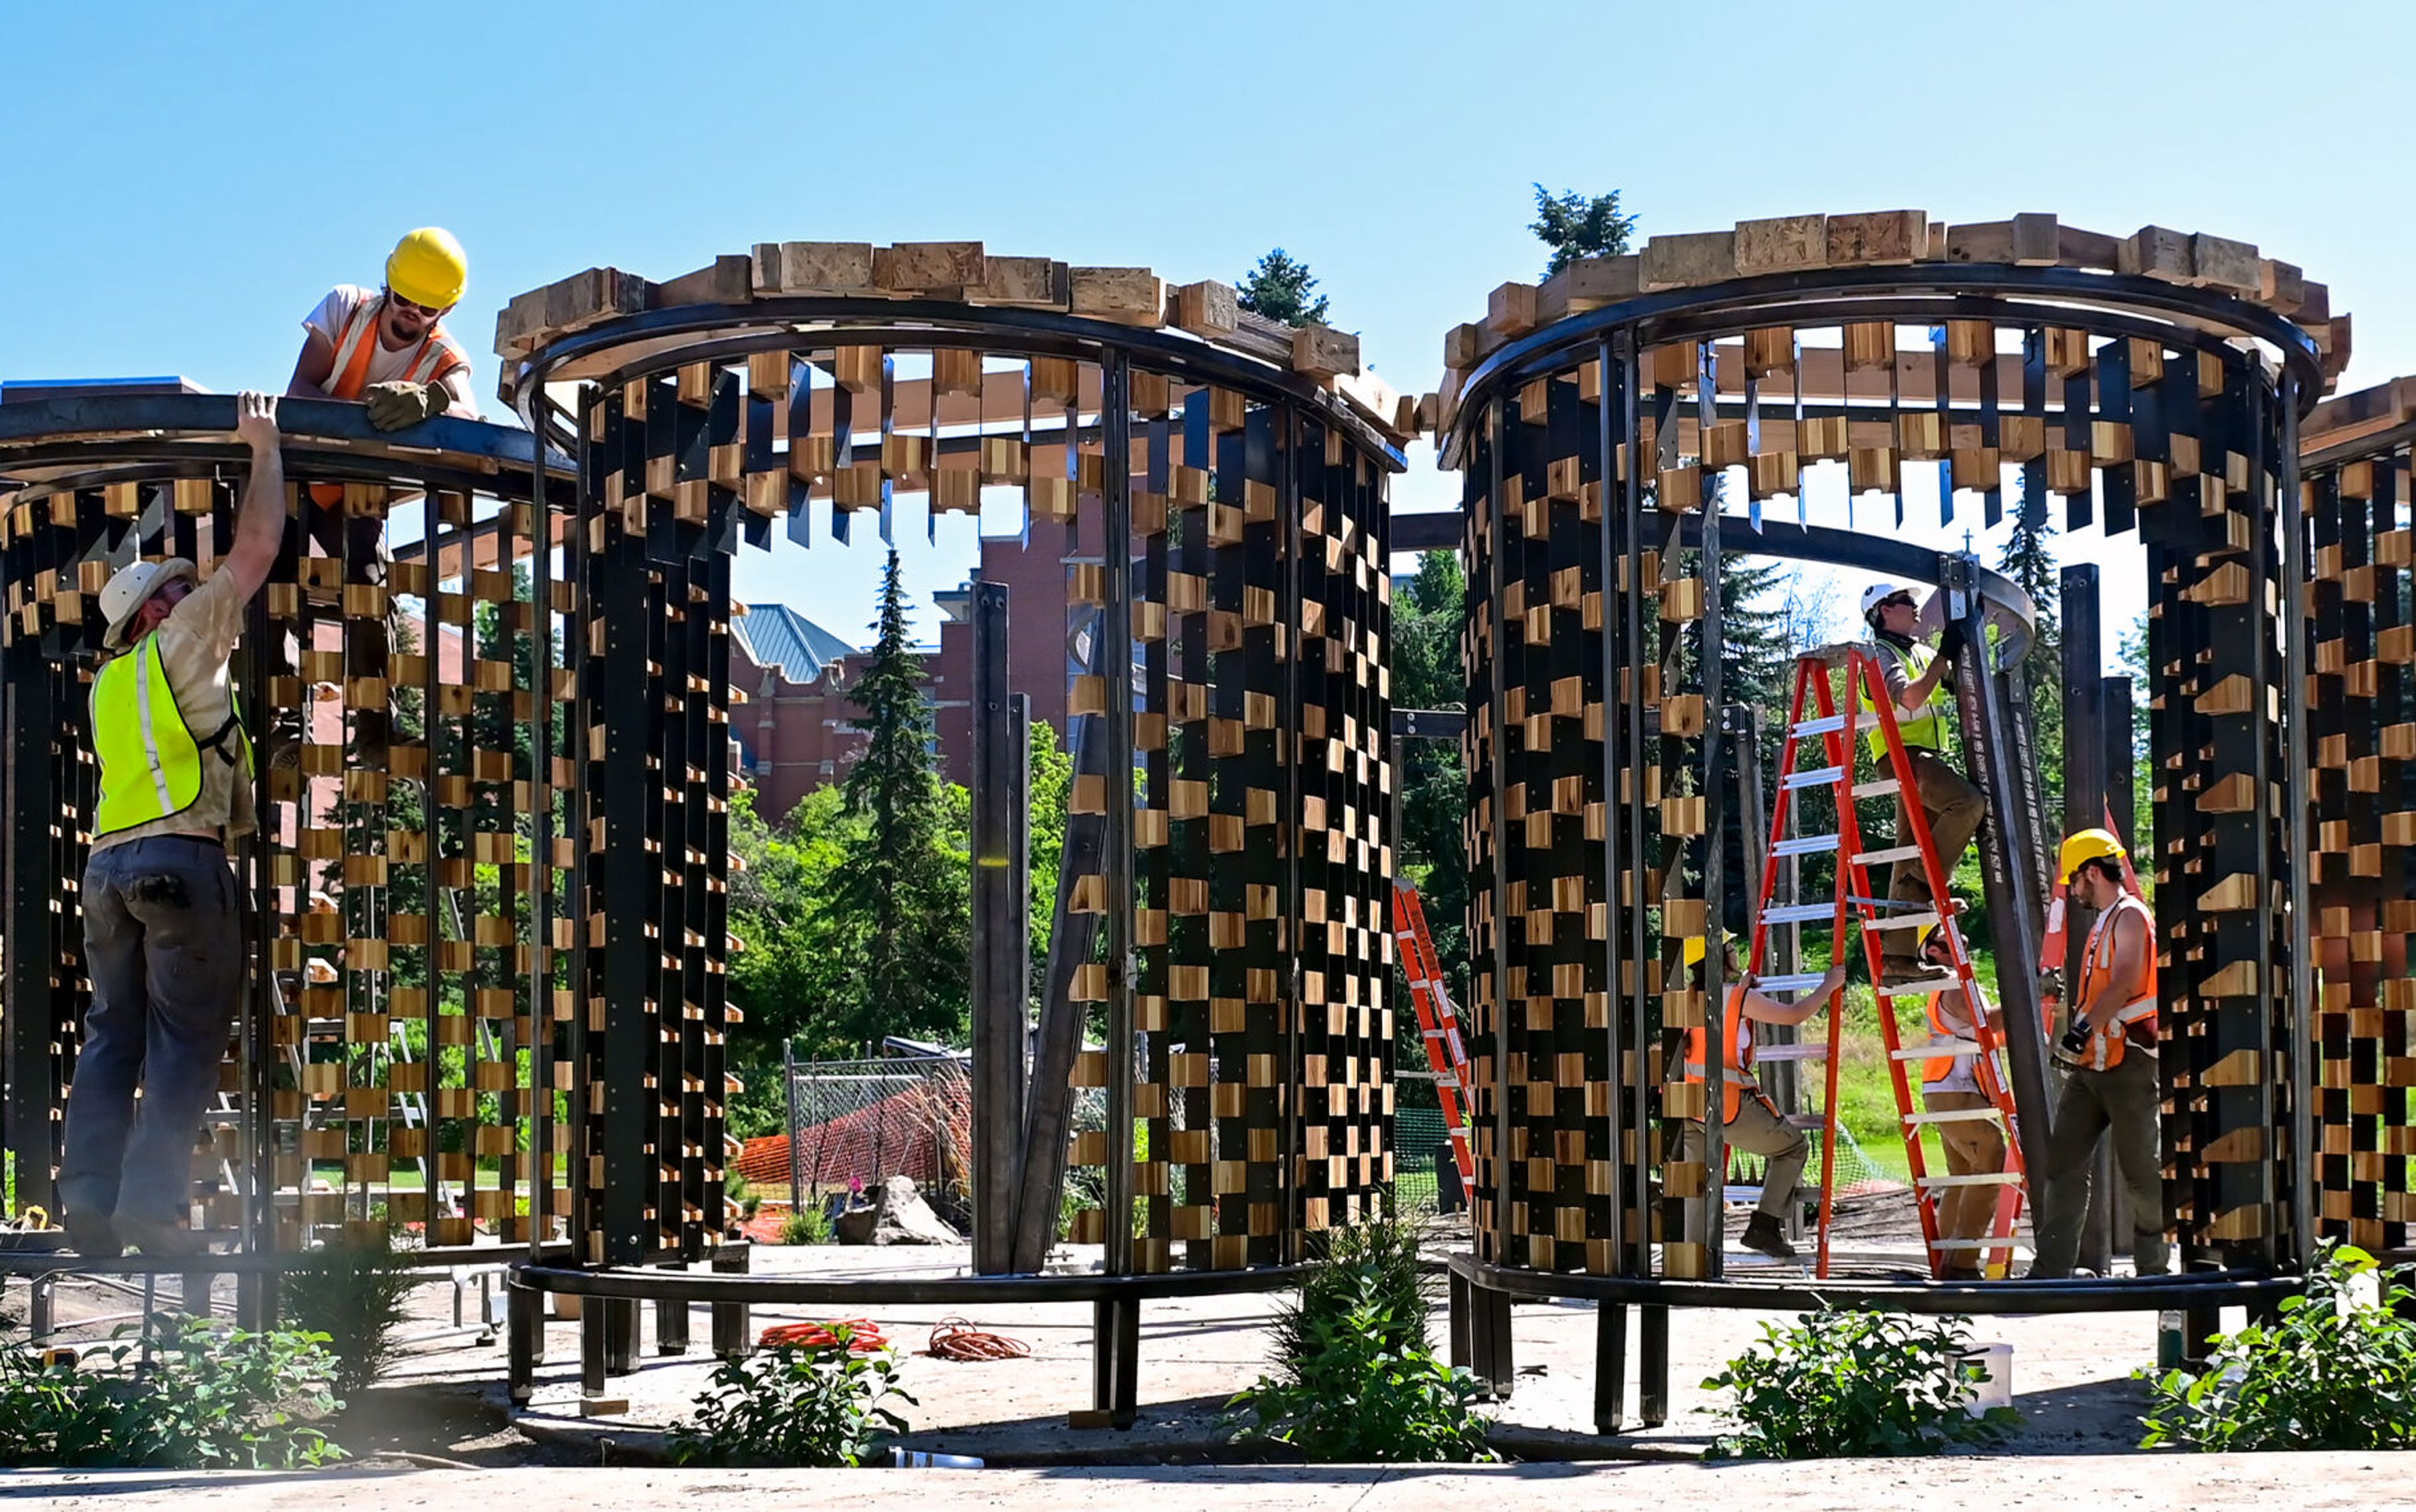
(2108, 1040)
(1926, 730)
(150, 762)
(1939, 1067)
(1740, 1056)
(438, 355)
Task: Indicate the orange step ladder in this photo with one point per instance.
(1437, 1023)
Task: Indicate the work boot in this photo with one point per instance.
(93, 1235)
(1902, 971)
(1762, 1235)
(161, 1241)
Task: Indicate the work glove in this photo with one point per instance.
(1950, 644)
(2075, 1038)
(392, 406)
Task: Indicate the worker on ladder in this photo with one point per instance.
(389, 349)
(1975, 1146)
(1916, 680)
(1752, 1121)
(2110, 1050)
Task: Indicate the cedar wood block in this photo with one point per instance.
(825, 267)
(1678, 262)
(1511, 309)
(1782, 244)
(1878, 236)
(728, 280)
(2158, 253)
(2280, 284)
(1023, 281)
(1323, 350)
(2226, 264)
(1984, 241)
(2036, 239)
(599, 294)
(1208, 307)
(1587, 283)
(931, 267)
(1132, 295)
(2315, 303)
(2075, 248)
(1460, 347)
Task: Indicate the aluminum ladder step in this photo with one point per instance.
(1920, 985)
(1806, 845)
(1902, 921)
(1937, 1050)
(1829, 724)
(1952, 1115)
(1799, 913)
(1887, 787)
(1818, 777)
(1985, 1178)
(1793, 982)
(1893, 854)
(1800, 1050)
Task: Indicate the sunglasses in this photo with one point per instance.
(430, 312)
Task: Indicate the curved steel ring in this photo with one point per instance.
(682, 1286)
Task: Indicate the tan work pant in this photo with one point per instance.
(1974, 1147)
(1955, 808)
(1758, 1129)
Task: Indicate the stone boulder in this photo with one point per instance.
(897, 1216)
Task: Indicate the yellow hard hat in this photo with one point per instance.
(429, 267)
(2088, 845)
(1693, 950)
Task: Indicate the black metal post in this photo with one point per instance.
(1610, 1365)
(2084, 807)
(1001, 937)
(671, 1318)
(733, 1322)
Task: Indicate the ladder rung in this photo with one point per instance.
(1952, 1115)
(1887, 787)
(1800, 1050)
(1794, 982)
(1798, 913)
(1818, 777)
(1894, 852)
(1831, 723)
(1902, 921)
(1804, 845)
(1986, 1178)
(2006, 1243)
(1922, 984)
(1937, 1050)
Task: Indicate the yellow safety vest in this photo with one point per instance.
(150, 763)
(1926, 730)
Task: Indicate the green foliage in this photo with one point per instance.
(1049, 790)
(1426, 674)
(2335, 1371)
(1280, 287)
(1574, 225)
(1849, 1383)
(1355, 1382)
(212, 1397)
(819, 1407)
(352, 1296)
(808, 1225)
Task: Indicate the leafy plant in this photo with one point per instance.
(352, 1296)
(807, 1225)
(1845, 1382)
(1382, 1252)
(740, 1193)
(818, 1406)
(212, 1397)
(2335, 1371)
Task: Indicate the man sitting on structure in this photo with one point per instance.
(161, 923)
(1924, 711)
(1975, 1145)
(1752, 1121)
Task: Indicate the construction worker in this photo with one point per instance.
(2110, 1050)
(1975, 1145)
(162, 943)
(389, 348)
(1925, 710)
(1752, 1121)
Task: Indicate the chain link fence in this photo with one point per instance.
(852, 1125)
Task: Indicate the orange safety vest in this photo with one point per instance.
(438, 355)
(1939, 1067)
(1740, 1056)
(2108, 1041)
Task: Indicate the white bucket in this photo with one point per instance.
(1995, 1388)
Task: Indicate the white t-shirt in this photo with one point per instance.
(336, 310)
(1962, 1078)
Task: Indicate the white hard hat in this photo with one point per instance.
(130, 587)
(1879, 593)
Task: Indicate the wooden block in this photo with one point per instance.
(1781, 244)
(822, 267)
(2157, 252)
(1588, 283)
(1208, 308)
(2231, 266)
(1878, 236)
(2075, 248)
(2021, 437)
(2036, 240)
(857, 369)
(726, 281)
(1683, 261)
(1510, 309)
(1869, 344)
(1459, 348)
(1822, 436)
(2280, 285)
(1872, 467)
(1323, 351)
(2067, 352)
(1127, 296)
(1986, 241)
(946, 269)
(1769, 350)
(1034, 281)
(1971, 342)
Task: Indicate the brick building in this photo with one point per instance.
(1039, 641)
(793, 732)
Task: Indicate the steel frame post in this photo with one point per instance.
(2298, 799)
(2084, 807)
(32, 930)
(1116, 1386)
(1001, 943)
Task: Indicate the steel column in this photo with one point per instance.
(1001, 939)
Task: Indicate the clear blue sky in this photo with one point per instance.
(184, 181)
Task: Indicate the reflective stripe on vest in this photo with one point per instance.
(1740, 1056)
(1939, 1067)
(150, 763)
(2108, 1041)
(438, 353)
(1926, 730)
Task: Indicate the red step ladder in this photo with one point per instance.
(1437, 1025)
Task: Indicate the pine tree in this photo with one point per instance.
(1575, 226)
(2028, 560)
(1279, 289)
(901, 889)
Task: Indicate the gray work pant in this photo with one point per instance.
(1758, 1129)
(2122, 1102)
(164, 948)
(1955, 808)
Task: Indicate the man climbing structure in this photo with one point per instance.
(1925, 710)
(2110, 1051)
(163, 938)
(389, 349)
(1752, 1121)
(1974, 1146)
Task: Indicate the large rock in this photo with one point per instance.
(898, 1215)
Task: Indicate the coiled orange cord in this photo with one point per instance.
(864, 1335)
(957, 1338)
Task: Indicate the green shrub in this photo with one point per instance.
(1355, 1381)
(806, 1226)
(354, 1295)
(740, 1193)
(2335, 1371)
(817, 1407)
(212, 1397)
(1855, 1383)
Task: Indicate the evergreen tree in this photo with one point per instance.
(902, 889)
(1280, 287)
(1426, 674)
(1574, 225)
(2028, 560)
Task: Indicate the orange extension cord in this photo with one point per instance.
(957, 1338)
(864, 1335)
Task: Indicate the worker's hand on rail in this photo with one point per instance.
(255, 420)
(392, 406)
(1831, 982)
(1951, 642)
